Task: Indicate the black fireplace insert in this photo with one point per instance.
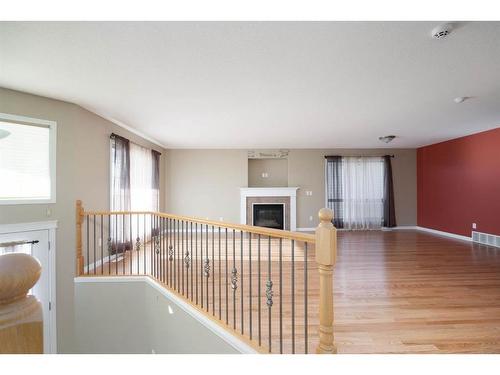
(269, 215)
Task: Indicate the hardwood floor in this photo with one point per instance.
(412, 292)
(395, 292)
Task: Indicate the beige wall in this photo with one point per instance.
(82, 173)
(277, 170)
(206, 183)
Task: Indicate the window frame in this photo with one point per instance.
(52, 126)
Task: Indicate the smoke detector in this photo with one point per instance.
(461, 99)
(442, 31)
(387, 138)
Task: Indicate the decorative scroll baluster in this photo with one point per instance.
(234, 279)
(207, 274)
(269, 293)
(187, 259)
(109, 254)
(206, 268)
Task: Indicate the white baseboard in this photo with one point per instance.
(306, 229)
(445, 234)
(99, 262)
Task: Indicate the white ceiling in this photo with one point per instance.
(265, 84)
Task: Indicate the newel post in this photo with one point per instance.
(79, 221)
(326, 255)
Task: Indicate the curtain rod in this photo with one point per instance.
(358, 156)
(113, 135)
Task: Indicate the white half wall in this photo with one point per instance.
(136, 315)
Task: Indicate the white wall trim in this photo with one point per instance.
(28, 227)
(215, 328)
(445, 234)
(306, 229)
(270, 192)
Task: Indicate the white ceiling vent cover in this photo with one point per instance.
(486, 239)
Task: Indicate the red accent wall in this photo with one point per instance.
(458, 183)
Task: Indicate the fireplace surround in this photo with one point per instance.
(284, 196)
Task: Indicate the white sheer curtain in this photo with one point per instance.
(363, 192)
(143, 195)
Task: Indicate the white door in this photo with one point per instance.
(35, 243)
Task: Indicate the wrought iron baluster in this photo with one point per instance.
(187, 261)
(102, 246)
(293, 296)
(269, 293)
(95, 260)
(196, 250)
(151, 251)
(241, 282)
(281, 292)
(305, 298)
(250, 282)
(191, 260)
(234, 279)
(109, 245)
(138, 246)
(131, 252)
(116, 244)
(182, 256)
(178, 257)
(213, 278)
(124, 243)
(207, 267)
(258, 290)
(201, 268)
(174, 254)
(220, 296)
(144, 243)
(170, 253)
(88, 245)
(227, 291)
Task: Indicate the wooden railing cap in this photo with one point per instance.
(325, 215)
(18, 274)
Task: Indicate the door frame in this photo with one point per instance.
(50, 227)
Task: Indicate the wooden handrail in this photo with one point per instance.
(324, 241)
(278, 233)
(21, 320)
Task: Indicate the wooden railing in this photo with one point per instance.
(272, 288)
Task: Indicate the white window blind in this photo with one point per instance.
(25, 162)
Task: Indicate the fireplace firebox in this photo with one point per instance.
(269, 215)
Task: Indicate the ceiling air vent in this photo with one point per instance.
(486, 239)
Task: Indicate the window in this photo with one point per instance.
(135, 186)
(27, 160)
(358, 191)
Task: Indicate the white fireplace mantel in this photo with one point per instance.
(269, 192)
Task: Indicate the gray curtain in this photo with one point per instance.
(155, 188)
(389, 208)
(120, 194)
(334, 189)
